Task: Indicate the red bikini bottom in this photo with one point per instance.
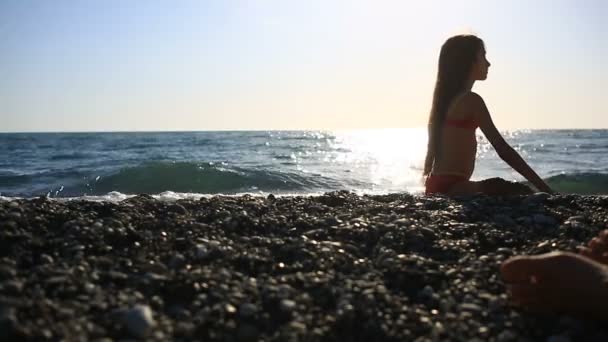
(441, 183)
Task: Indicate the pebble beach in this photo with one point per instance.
(335, 267)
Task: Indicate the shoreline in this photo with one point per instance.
(337, 266)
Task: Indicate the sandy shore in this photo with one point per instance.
(333, 267)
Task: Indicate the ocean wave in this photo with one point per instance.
(208, 178)
(588, 183)
(10, 179)
(69, 156)
(193, 179)
(189, 177)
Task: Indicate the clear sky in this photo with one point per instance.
(314, 64)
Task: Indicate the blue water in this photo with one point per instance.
(173, 164)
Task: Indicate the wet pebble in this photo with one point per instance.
(558, 338)
(11, 287)
(248, 309)
(7, 272)
(544, 219)
(138, 320)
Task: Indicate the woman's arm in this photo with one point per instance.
(505, 152)
(511, 157)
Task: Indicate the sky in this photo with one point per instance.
(285, 64)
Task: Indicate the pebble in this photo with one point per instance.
(11, 286)
(201, 251)
(178, 312)
(89, 287)
(503, 250)
(247, 332)
(177, 261)
(287, 305)
(14, 215)
(427, 291)
(138, 320)
(470, 307)
(7, 272)
(177, 208)
(230, 308)
(544, 219)
(576, 218)
(536, 198)
(558, 338)
(504, 219)
(247, 309)
(507, 336)
(394, 270)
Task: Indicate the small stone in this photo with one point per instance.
(247, 310)
(427, 291)
(184, 329)
(576, 218)
(89, 287)
(543, 219)
(177, 261)
(139, 320)
(438, 329)
(333, 221)
(11, 286)
(446, 304)
(247, 332)
(507, 336)
(287, 305)
(504, 219)
(9, 330)
(201, 251)
(7, 272)
(230, 308)
(297, 327)
(116, 276)
(14, 215)
(558, 338)
(470, 307)
(178, 312)
(47, 333)
(179, 209)
(6, 312)
(56, 280)
(536, 198)
(543, 244)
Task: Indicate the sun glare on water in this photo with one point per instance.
(388, 158)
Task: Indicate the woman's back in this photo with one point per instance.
(458, 143)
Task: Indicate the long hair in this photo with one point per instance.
(456, 60)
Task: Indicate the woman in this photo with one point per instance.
(455, 115)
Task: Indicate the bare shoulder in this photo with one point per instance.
(469, 102)
(472, 99)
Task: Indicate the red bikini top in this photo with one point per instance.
(471, 124)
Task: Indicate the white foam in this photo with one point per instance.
(170, 196)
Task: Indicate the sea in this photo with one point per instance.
(113, 166)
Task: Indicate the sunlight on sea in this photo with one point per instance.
(387, 158)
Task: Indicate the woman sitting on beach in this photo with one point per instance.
(455, 115)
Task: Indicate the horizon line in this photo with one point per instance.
(276, 130)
